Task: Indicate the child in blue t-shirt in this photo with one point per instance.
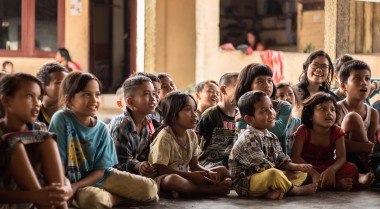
(87, 150)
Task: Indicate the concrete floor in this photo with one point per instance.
(321, 200)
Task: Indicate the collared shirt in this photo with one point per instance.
(255, 151)
(131, 147)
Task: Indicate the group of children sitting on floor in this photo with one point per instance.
(244, 133)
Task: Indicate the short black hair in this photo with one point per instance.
(247, 101)
(340, 61)
(314, 100)
(282, 85)
(227, 78)
(48, 68)
(152, 77)
(353, 65)
(5, 63)
(163, 75)
(199, 87)
(131, 84)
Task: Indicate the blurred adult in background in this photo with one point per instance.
(63, 57)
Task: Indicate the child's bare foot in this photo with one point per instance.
(220, 189)
(303, 190)
(175, 194)
(227, 182)
(366, 179)
(277, 194)
(344, 184)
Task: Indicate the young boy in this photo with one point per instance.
(51, 75)
(155, 118)
(216, 127)
(360, 121)
(130, 131)
(257, 161)
(206, 94)
(167, 84)
(339, 92)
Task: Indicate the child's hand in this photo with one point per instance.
(328, 178)
(214, 176)
(200, 177)
(147, 169)
(52, 196)
(315, 176)
(304, 167)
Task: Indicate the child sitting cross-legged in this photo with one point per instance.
(175, 152)
(257, 164)
(320, 142)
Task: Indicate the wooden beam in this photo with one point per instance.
(376, 28)
(352, 32)
(337, 18)
(359, 35)
(343, 28)
(368, 20)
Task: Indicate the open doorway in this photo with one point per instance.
(112, 41)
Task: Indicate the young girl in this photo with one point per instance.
(321, 143)
(25, 146)
(286, 93)
(316, 76)
(87, 150)
(259, 77)
(175, 152)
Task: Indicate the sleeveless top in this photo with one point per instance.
(344, 111)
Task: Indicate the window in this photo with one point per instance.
(31, 28)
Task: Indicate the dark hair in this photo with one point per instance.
(10, 84)
(163, 75)
(248, 75)
(151, 76)
(5, 63)
(199, 87)
(247, 101)
(74, 83)
(257, 39)
(303, 77)
(131, 84)
(314, 100)
(172, 104)
(353, 65)
(340, 61)
(64, 53)
(48, 68)
(227, 78)
(282, 85)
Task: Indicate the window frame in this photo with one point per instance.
(28, 8)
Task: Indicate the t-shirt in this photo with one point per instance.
(82, 149)
(217, 131)
(165, 150)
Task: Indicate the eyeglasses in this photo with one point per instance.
(315, 66)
